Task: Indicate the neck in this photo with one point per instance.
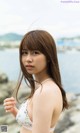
(41, 81)
(41, 77)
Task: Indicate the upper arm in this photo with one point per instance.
(42, 111)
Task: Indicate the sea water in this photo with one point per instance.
(69, 63)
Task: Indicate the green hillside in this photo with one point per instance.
(11, 37)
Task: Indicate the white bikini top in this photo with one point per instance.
(23, 119)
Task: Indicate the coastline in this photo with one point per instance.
(69, 121)
(60, 49)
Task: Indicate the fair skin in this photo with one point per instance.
(46, 104)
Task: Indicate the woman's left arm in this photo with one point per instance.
(42, 111)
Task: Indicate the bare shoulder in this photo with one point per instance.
(50, 88)
(46, 104)
(49, 92)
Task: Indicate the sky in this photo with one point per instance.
(59, 17)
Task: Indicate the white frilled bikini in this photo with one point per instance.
(23, 119)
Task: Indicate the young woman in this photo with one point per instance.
(40, 70)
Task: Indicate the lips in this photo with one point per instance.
(29, 67)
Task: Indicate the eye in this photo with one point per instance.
(36, 52)
(24, 52)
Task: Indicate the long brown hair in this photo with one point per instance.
(44, 42)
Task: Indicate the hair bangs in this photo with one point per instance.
(30, 43)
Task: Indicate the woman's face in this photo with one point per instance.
(34, 61)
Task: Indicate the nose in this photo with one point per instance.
(29, 58)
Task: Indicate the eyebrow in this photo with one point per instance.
(25, 49)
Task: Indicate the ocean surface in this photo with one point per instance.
(69, 63)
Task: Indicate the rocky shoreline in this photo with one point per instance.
(69, 121)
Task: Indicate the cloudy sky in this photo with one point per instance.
(59, 17)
